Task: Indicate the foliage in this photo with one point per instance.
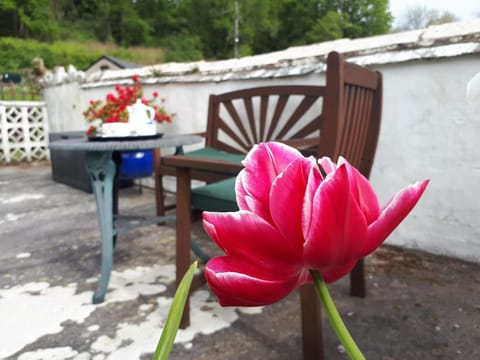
(28, 19)
(114, 108)
(182, 47)
(18, 53)
(363, 18)
(13, 92)
(172, 324)
(192, 29)
(320, 21)
(123, 22)
(326, 28)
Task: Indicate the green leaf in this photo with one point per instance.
(174, 316)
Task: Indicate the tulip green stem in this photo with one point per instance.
(336, 321)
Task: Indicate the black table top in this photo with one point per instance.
(167, 140)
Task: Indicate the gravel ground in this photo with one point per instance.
(419, 306)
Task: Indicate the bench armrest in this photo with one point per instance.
(196, 163)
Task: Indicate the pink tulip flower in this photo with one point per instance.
(293, 219)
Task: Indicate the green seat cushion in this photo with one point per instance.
(211, 153)
(218, 196)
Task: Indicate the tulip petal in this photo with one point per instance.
(363, 192)
(278, 155)
(338, 272)
(240, 283)
(247, 202)
(262, 165)
(393, 214)
(247, 236)
(313, 182)
(287, 197)
(338, 229)
(327, 165)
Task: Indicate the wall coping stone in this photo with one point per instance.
(437, 41)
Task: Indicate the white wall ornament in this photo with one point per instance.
(61, 76)
(473, 93)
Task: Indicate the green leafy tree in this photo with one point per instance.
(296, 18)
(28, 19)
(182, 47)
(194, 29)
(118, 20)
(81, 20)
(362, 18)
(326, 28)
(127, 27)
(267, 25)
(8, 18)
(259, 26)
(212, 20)
(161, 15)
(274, 25)
(78, 10)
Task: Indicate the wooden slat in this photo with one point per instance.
(236, 119)
(358, 144)
(263, 116)
(301, 109)
(251, 119)
(281, 103)
(233, 135)
(361, 76)
(191, 162)
(310, 128)
(355, 125)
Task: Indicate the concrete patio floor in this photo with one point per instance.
(419, 306)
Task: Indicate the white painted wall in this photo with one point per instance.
(428, 131)
(65, 103)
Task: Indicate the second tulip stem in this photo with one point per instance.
(336, 321)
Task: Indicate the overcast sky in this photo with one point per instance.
(463, 9)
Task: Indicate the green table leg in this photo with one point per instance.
(101, 169)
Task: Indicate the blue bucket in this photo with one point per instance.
(136, 164)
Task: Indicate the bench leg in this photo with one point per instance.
(183, 231)
(311, 323)
(357, 280)
(159, 191)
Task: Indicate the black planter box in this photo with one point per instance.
(69, 167)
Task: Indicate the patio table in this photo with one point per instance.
(101, 158)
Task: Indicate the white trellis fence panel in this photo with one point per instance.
(23, 131)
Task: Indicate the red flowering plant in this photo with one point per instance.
(114, 108)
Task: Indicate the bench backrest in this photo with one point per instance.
(352, 113)
(341, 118)
(239, 119)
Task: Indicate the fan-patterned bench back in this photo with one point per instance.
(239, 119)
